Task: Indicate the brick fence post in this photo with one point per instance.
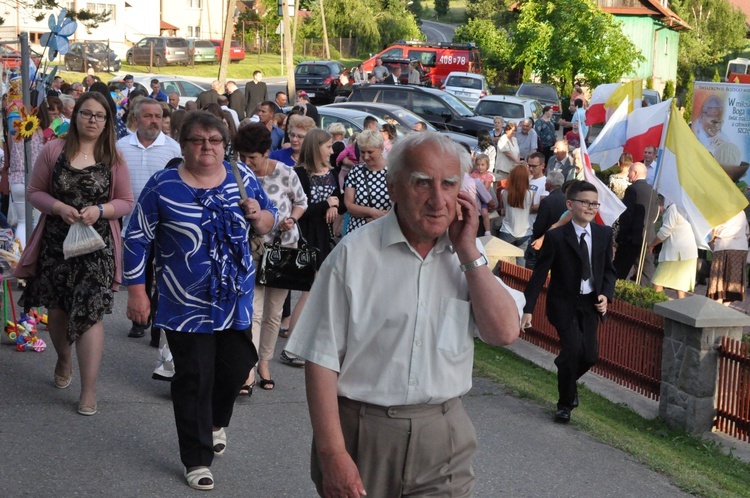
(693, 328)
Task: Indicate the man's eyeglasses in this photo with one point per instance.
(99, 117)
(588, 204)
(200, 141)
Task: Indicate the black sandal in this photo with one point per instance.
(248, 389)
(267, 384)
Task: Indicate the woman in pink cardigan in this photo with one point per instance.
(82, 178)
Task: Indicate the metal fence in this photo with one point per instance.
(347, 47)
(733, 389)
(630, 340)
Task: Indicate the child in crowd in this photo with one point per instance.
(482, 173)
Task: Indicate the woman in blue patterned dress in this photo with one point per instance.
(193, 214)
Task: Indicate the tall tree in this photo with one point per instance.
(563, 40)
(718, 29)
(442, 7)
(40, 10)
(492, 42)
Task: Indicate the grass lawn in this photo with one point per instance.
(456, 12)
(695, 465)
(270, 64)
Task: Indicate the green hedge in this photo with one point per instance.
(637, 295)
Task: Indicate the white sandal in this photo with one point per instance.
(220, 441)
(194, 478)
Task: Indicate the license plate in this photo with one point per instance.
(179, 53)
(311, 95)
(463, 94)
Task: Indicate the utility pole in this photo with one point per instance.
(288, 50)
(325, 31)
(228, 30)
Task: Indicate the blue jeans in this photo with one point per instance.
(520, 242)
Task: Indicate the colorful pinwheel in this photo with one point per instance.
(60, 29)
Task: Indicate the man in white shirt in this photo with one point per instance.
(394, 353)
(146, 151)
(649, 160)
(129, 86)
(224, 103)
(538, 185)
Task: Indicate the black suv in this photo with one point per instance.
(319, 79)
(443, 110)
(545, 95)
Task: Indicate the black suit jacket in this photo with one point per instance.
(561, 255)
(255, 93)
(638, 196)
(208, 97)
(237, 103)
(390, 80)
(551, 207)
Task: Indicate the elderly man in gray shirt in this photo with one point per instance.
(389, 357)
(528, 140)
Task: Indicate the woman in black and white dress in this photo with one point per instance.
(365, 190)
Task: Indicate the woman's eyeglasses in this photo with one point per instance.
(200, 141)
(99, 117)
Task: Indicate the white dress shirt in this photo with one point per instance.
(587, 286)
(398, 329)
(143, 162)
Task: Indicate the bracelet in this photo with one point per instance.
(101, 210)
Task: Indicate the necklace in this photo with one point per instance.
(265, 169)
(85, 155)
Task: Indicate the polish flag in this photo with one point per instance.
(597, 111)
(607, 147)
(611, 206)
(645, 127)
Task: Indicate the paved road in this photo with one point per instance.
(130, 447)
(438, 31)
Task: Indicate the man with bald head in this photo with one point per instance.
(641, 210)
(210, 96)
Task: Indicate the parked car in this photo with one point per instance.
(167, 50)
(187, 90)
(469, 87)
(651, 96)
(352, 119)
(402, 119)
(509, 107)
(236, 53)
(11, 58)
(202, 51)
(96, 55)
(545, 95)
(441, 109)
(424, 78)
(319, 79)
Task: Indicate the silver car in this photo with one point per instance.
(508, 107)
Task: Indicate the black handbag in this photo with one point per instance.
(288, 267)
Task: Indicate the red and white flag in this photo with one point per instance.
(597, 111)
(645, 127)
(611, 206)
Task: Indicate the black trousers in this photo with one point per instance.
(209, 371)
(627, 256)
(579, 350)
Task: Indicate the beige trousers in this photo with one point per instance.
(267, 307)
(417, 450)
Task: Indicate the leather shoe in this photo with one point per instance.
(137, 331)
(562, 415)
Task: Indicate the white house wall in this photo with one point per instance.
(206, 15)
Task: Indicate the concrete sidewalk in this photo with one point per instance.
(130, 447)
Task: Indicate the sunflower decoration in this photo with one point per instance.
(27, 125)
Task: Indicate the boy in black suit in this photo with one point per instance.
(582, 281)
